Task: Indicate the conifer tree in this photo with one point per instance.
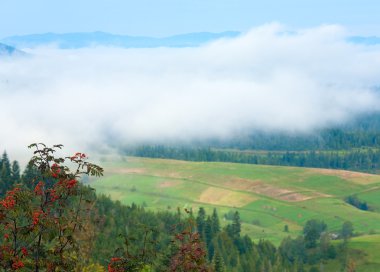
(5, 174)
(5, 162)
(200, 220)
(208, 234)
(215, 222)
(15, 171)
(236, 225)
(218, 263)
(208, 230)
(30, 176)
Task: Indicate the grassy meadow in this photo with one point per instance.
(267, 197)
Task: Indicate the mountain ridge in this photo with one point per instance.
(89, 39)
(76, 40)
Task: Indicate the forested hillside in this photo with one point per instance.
(50, 221)
(353, 146)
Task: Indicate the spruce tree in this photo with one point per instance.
(218, 263)
(200, 220)
(15, 172)
(236, 225)
(30, 176)
(208, 230)
(215, 222)
(208, 235)
(5, 174)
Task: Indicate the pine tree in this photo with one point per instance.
(5, 175)
(30, 176)
(208, 235)
(218, 263)
(15, 172)
(201, 217)
(236, 225)
(208, 230)
(215, 222)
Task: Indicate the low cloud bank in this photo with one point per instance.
(269, 79)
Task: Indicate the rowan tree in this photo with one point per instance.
(39, 223)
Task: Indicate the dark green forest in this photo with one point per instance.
(365, 160)
(353, 146)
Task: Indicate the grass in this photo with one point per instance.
(371, 245)
(263, 195)
(372, 198)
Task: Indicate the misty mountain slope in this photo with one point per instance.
(80, 40)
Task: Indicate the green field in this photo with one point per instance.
(370, 261)
(267, 197)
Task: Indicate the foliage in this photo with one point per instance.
(347, 230)
(130, 259)
(190, 253)
(9, 174)
(40, 225)
(312, 232)
(363, 158)
(354, 201)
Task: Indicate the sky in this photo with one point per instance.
(168, 17)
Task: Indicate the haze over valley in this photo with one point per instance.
(269, 79)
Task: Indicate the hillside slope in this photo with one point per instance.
(267, 197)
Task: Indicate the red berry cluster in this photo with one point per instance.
(36, 216)
(17, 264)
(78, 156)
(55, 169)
(112, 267)
(9, 202)
(38, 189)
(24, 251)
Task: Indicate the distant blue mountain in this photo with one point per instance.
(80, 40)
(91, 39)
(6, 50)
(373, 40)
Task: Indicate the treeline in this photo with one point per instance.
(364, 131)
(353, 146)
(366, 160)
(327, 139)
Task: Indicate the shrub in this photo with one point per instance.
(39, 223)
